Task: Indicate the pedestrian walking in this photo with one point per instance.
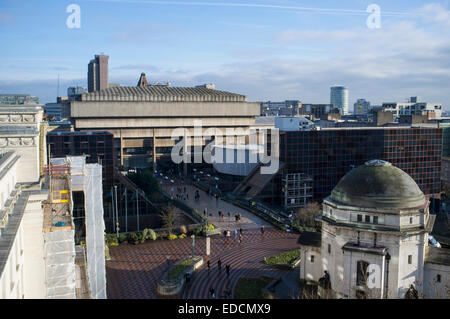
(235, 233)
(212, 292)
(262, 230)
(219, 264)
(240, 231)
(209, 265)
(227, 269)
(240, 238)
(220, 213)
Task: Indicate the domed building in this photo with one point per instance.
(374, 238)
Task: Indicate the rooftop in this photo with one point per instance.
(440, 256)
(378, 184)
(162, 94)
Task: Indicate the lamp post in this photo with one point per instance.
(168, 266)
(117, 211)
(193, 245)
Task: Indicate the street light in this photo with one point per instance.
(168, 266)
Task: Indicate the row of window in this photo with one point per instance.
(367, 219)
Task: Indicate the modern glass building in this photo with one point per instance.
(339, 97)
(327, 155)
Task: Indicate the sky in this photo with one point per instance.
(272, 50)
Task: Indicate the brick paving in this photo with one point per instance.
(133, 270)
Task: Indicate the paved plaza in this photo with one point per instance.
(134, 270)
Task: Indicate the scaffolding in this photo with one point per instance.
(297, 189)
(61, 262)
(59, 233)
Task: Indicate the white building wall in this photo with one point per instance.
(11, 279)
(34, 266)
(433, 289)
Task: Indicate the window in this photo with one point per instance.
(312, 258)
(410, 220)
(375, 219)
(360, 218)
(367, 219)
(410, 259)
(438, 278)
(361, 273)
(329, 248)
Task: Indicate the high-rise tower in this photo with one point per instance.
(339, 98)
(98, 73)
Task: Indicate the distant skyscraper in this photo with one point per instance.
(98, 73)
(361, 106)
(339, 98)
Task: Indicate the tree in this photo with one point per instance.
(305, 216)
(145, 180)
(168, 217)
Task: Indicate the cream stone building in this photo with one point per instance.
(374, 239)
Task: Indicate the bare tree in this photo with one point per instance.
(305, 216)
(168, 217)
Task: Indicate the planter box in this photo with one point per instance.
(171, 287)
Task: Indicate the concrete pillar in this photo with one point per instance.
(154, 150)
(121, 148)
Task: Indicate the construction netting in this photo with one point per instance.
(95, 230)
(59, 250)
(77, 171)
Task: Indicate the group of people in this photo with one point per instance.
(226, 293)
(219, 266)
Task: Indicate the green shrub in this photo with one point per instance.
(123, 238)
(182, 236)
(111, 240)
(150, 234)
(135, 238)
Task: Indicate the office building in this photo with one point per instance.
(327, 155)
(339, 98)
(75, 91)
(98, 73)
(361, 107)
(97, 146)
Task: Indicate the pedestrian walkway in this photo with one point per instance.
(213, 206)
(134, 270)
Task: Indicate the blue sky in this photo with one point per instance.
(267, 50)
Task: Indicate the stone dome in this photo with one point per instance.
(378, 184)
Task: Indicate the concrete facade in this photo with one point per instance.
(143, 119)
